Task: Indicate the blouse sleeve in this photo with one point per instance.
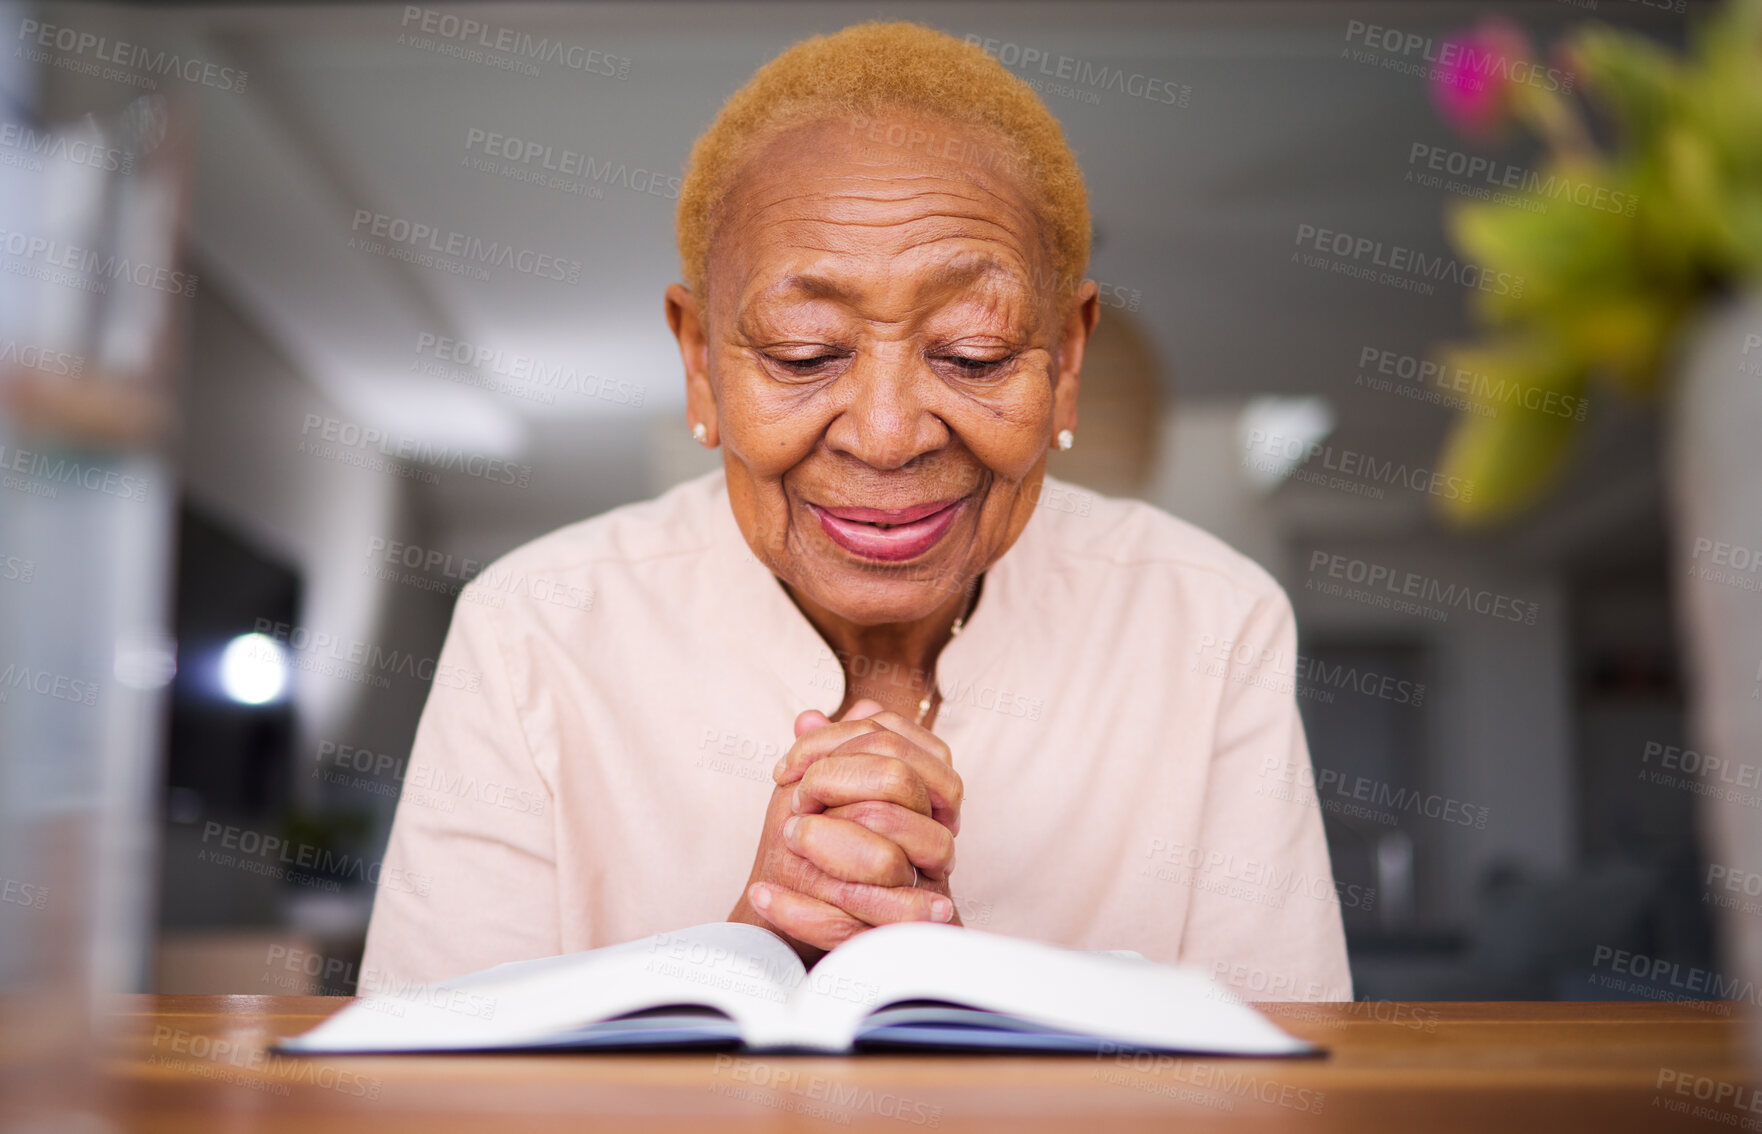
(1265, 914)
(469, 877)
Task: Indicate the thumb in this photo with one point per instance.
(863, 709)
(809, 721)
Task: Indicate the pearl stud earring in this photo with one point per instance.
(699, 433)
(1065, 440)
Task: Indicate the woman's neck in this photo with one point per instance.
(893, 663)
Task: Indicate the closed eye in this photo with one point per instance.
(977, 367)
(805, 365)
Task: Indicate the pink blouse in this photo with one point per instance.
(594, 760)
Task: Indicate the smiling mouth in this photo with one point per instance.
(888, 534)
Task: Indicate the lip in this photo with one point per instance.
(914, 530)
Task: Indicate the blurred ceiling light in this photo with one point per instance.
(254, 669)
(1276, 433)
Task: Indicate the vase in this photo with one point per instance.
(1714, 465)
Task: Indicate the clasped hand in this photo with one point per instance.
(859, 803)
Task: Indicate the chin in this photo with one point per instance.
(879, 596)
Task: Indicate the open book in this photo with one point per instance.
(911, 985)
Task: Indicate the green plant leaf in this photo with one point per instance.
(1509, 459)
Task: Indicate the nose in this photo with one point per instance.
(886, 420)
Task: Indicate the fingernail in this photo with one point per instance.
(778, 770)
(790, 825)
(761, 897)
(795, 801)
(940, 910)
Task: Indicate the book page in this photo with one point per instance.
(742, 971)
(1044, 988)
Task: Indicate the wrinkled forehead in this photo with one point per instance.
(842, 206)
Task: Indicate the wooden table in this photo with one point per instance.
(183, 1063)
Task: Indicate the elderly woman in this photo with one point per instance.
(1015, 706)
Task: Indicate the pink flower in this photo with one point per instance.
(1472, 83)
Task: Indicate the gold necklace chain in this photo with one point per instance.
(953, 633)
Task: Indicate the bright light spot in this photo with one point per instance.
(145, 661)
(254, 669)
(1276, 435)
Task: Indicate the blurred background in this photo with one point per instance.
(341, 395)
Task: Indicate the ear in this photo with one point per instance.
(1080, 320)
(686, 319)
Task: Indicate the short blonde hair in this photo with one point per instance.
(869, 68)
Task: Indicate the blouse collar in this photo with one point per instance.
(767, 626)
